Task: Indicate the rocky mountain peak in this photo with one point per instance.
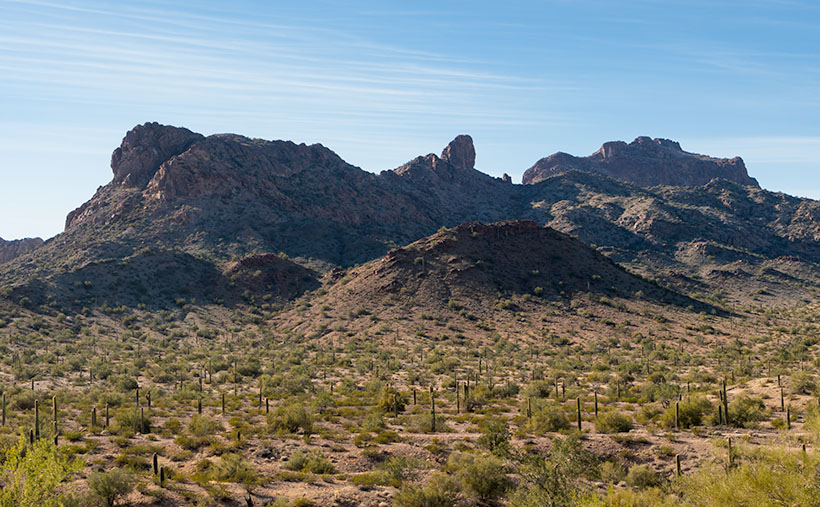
(144, 148)
(460, 153)
(645, 162)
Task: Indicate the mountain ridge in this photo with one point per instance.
(224, 197)
(645, 162)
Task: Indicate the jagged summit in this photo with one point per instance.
(460, 153)
(645, 162)
(145, 148)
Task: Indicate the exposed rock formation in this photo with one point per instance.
(460, 153)
(144, 148)
(15, 248)
(645, 162)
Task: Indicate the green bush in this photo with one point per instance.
(290, 419)
(746, 411)
(33, 475)
(690, 412)
(555, 479)
(128, 419)
(803, 383)
(235, 468)
(111, 485)
(441, 490)
(613, 422)
(642, 476)
(483, 475)
(495, 436)
(313, 462)
(391, 400)
(202, 425)
(548, 418)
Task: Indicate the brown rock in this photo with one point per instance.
(645, 162)
(15, 248)
(144, 148)
(460, 153)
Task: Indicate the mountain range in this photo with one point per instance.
(223, 217)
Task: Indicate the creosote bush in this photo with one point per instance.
(111, 485)
(613, 422)
(691, 413)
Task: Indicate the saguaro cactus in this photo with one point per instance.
(432, 410)
(677, 415)
(725, 403)
(578, 412)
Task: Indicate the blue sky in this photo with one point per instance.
(382, 82)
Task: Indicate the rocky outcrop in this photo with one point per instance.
(460, 153)
(145, 148)
(15, 248)
(645, 162)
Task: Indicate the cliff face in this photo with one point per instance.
(645, 162)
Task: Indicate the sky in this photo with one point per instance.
(382, 82)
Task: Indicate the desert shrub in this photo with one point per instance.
(190, 443)
(391, 400)
(202, 426)
(374, 478)
(554, 479)
(746, 410)
(648, 413)
(24, 400)
(506, 390)
(803, 383)
(767, 476)
(650, 497)
(642, 476)
(235, 468)
(129, 419)
(495, 436)
(125, 384)
(110, 485)
(313, 462)
(421, 423)
(483, 475)
(548, 418)
(539, 389)
(173, 426)
(289, 419)
(690, 412)
(32, 475)
(612, 472)
(441, 490)
(613, 422)
(374, 422)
